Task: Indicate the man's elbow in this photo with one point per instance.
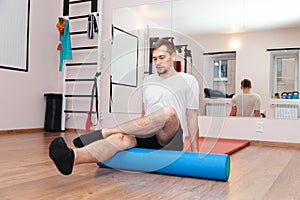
(233, 111)
(257, 113)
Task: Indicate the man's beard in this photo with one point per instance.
(164, 71)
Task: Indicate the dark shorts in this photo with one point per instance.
(152, 143)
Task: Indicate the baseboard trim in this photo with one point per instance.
(267, 143)
(75, 130)
(36, 130)
(275, 144)
(29, 130)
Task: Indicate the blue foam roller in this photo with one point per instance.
(179, 163)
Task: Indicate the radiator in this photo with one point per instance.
(216, 109)
(286, 111)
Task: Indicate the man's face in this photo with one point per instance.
(163, 60)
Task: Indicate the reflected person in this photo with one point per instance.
(246, 104)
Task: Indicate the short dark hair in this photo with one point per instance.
(164, 42)
(246, 83)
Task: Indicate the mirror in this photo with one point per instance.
(244, 37)
(124, 58)
(130, 61)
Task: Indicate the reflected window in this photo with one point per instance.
(220, 68)
(285, 72)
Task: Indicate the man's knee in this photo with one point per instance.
(170, 115)
(169, 111)
(164, 115)
(122, 141)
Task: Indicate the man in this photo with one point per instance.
(170, 103)
(246, 104)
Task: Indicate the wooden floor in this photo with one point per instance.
(26, 172)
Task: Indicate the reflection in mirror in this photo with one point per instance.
(230, 26)
(284, 79)
(124, 69)
(285, 74)
(220, 68)
(124, 58)
(183, 56)
(126, 94)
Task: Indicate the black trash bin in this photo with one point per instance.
(53, 112)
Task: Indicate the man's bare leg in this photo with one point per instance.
(163, 121)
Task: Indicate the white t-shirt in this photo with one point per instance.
(246, 104)
(181, 91)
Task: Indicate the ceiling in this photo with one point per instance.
(220, 16)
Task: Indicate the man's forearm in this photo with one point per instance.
(194, 140)
(193, 130)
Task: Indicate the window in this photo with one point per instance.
(14, 39)
(219, 70)
(284, 72)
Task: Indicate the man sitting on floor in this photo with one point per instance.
(170, 104)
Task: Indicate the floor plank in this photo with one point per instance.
(286, 186)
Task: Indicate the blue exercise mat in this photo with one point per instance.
(179, 163)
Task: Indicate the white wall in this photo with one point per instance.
(22, 103)
(274, 130)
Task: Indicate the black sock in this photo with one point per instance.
(88, 138)
(62, 156)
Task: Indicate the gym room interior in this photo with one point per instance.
(70, 67)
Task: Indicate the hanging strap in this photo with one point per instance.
(110, 93)
(94, 94)
(92, 25)
(95, 23)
